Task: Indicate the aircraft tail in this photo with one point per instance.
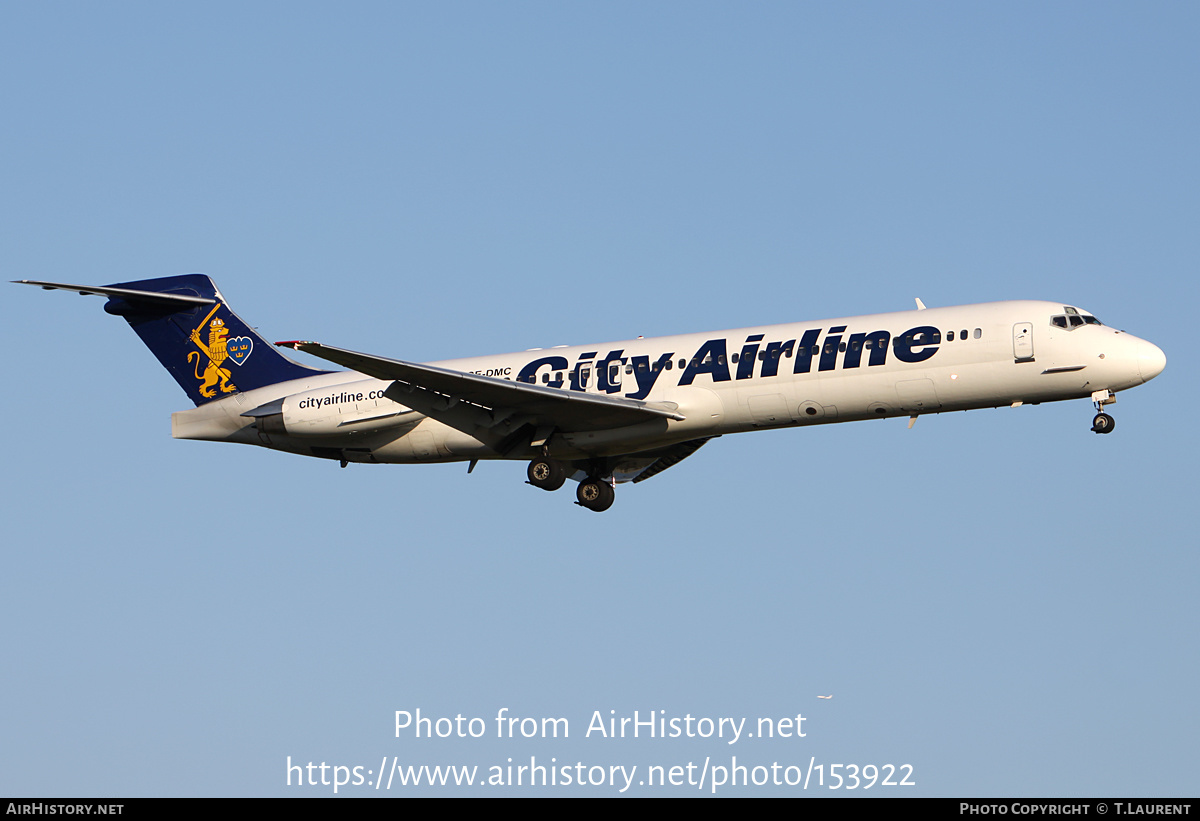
(187, 325)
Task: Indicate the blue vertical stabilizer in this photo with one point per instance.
(209, 350)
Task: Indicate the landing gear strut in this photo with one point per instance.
(1102, 422)
(595, 494)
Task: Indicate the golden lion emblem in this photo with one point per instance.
(214, 375)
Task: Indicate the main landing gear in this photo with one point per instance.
(594, 493)
(1102, 422)
(546, 473)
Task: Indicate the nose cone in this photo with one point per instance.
(1151, 360)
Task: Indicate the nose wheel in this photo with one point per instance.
(1102, 422)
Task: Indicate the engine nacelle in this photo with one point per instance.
(334, 412)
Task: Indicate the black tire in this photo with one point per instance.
(1103, 423)
(595, 494)
(548, 474)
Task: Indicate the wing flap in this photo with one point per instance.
(672, 456)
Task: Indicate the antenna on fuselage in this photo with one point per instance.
(920, 304)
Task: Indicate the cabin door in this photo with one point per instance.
(1023, 341)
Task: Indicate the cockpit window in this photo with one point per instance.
(1073, 318)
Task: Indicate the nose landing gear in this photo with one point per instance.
(1102, 422)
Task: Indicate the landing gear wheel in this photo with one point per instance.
(548, 474)
(595, 494)
(1103, 423)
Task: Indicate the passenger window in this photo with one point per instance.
(545, 377)
(978, 333)
(949, 336)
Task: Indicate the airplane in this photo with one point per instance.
(624, 411)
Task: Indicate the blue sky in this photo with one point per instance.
(999, 598)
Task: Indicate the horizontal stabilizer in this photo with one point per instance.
(149, 297)
(186, 324)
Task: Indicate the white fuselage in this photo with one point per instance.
(832, 370)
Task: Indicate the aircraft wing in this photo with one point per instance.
(436, 391)
(671, 456)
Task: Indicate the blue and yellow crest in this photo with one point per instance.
(217, 350)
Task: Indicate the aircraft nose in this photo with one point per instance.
(1151, 360)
